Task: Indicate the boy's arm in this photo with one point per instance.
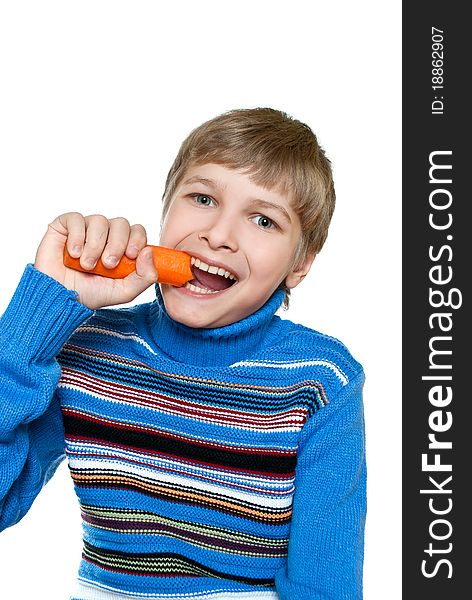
(43, 314)
(40, 318)
(325, 557)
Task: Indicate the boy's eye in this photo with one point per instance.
(263, 222)
(203, 199)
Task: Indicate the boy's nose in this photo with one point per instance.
(220, 235)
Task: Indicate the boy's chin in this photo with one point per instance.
(195, 311)
(202, 312)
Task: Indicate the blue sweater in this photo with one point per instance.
(209, 464)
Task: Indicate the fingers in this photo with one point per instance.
(109, 239)
(117, 241)
(95, 237)
(72, 226)
(96, 234)
(145, 268)
(143, 277)
(137, 241)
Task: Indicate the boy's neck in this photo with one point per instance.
(218, 347)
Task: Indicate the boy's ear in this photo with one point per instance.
(298, 274)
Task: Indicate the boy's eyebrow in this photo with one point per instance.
(268, 205)
(205, 180)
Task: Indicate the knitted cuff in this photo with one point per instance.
(40, 318)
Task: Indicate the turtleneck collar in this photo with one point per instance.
(217, 347)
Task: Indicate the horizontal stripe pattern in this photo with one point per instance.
(84, 329)
(288, 420)
(308, 395)
(295, 364)
(113, 469)
(81, 453)
(180, 478)
(205, 536)
(160, 564)
(182, 495)
(90, 590)
(83, 425)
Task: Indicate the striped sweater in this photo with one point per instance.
(221, 464)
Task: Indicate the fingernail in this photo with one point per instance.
(111, 260)
(90, 262)
(76, 251)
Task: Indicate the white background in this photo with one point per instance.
(95, 100)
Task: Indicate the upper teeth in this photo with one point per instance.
(211, 268)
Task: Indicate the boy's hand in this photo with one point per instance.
(90, 238)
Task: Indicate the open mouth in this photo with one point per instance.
(209, 279)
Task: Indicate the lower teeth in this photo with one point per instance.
(194, 288)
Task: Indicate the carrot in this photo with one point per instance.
(172, 266)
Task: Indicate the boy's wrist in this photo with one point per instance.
(41, 316)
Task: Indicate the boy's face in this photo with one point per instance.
(230, 224)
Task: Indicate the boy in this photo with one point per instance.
(217, 450)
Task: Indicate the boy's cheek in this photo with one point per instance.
(173, 228)
(179, 223)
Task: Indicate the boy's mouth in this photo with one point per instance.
(209, 279)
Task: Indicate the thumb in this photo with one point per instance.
(145, 274)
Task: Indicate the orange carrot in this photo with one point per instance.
(173, 266)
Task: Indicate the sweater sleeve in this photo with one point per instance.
(39, 319)
(325, 556)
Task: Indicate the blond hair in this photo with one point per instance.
(278, 152)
